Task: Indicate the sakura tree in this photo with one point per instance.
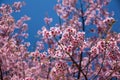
(13, 49)
(72, 54)
(65, 51)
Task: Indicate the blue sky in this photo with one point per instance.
(38, 9)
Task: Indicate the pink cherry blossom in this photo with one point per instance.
(65, 51)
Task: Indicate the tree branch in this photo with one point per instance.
(1, 75)
(81, 55)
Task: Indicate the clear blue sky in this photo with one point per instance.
(37, 10)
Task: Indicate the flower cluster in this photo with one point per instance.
(47, 20)
(109, 21)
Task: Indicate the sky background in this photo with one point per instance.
(38, 9)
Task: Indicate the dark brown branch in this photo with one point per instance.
(1, 74)
(78, 77)
(81, 57)
(90, 61)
